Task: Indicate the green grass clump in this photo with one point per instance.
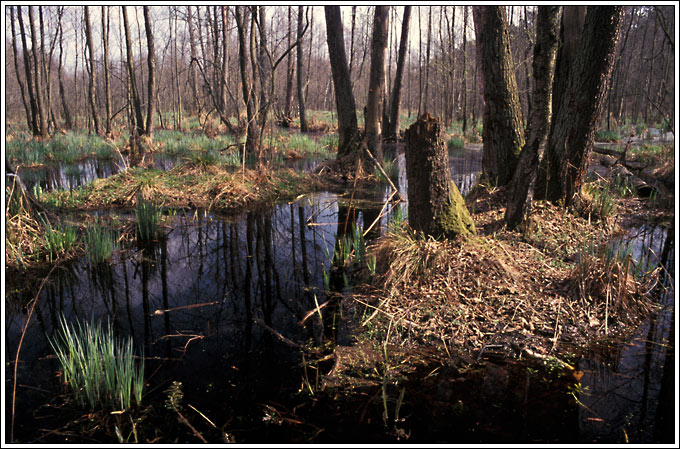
(605, 135)
(303, 144)
(329, 143)
(99, 369)
(101, 243)
(59, 239)
(391, 169)
(455, 142)
(148, 216)
(602, 204)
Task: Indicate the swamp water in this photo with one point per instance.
(210, 302)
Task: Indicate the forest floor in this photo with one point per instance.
(545, 292)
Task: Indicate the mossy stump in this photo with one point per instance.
(436, 206)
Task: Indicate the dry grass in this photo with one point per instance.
(197, 186)
(528, 292)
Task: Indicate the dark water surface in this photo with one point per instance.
(209, 303)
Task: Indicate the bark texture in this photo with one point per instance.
(436, 207)
(545, 49)
(93, 71)
(342, 84)
(575, 122)
(376, 81)
(503, 133)
(392, 125)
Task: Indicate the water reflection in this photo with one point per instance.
(626, 397)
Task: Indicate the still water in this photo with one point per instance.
(209, 303)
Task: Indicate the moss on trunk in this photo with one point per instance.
(436, 206)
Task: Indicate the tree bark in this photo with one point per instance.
(545, 49)
(68, 122)
(136, 148)
(342, 84)
(577, 114)
(376, 82)
(392, 126)
(464, 88)
(107, 71)
(503, 125)
(192, 65)
(42, 122)
(29, 77)
(436, 206)
(93, 70)
(300, 90)
(151, 62)
(289, 74)
(29, 123)
(246, 85)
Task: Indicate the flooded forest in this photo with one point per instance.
(339, 224)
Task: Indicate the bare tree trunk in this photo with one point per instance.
(107, 72)
(42, 122)
(246, 85)
(503, 124)
(29, 77)
(136, 148)
(300, 90)
(92, 78)
(151, 62)
(225, 59)
(29, 123)
(436, 206)
(47, 72)
(392, 125)
(545, 49)
(376, 81)
(62, 94)
(465, 111)
(344, 97)
(573, 18)
(192, 66)
(427, 60)
(576, 117)
(289, 74)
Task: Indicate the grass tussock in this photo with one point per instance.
(607, 283)
(528, 292)
(99, 370)
(197, 186)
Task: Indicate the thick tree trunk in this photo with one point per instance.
(436, 207)
(376, 81)
(151, 62)
(344, 97)
(503, 125)
(42, 122)
(16, 69)
(575, 120)
(29, 77)
(545, 49)
(93, 77)
(392, 126)
(300, 89)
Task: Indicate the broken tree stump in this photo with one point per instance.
(436, 206)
